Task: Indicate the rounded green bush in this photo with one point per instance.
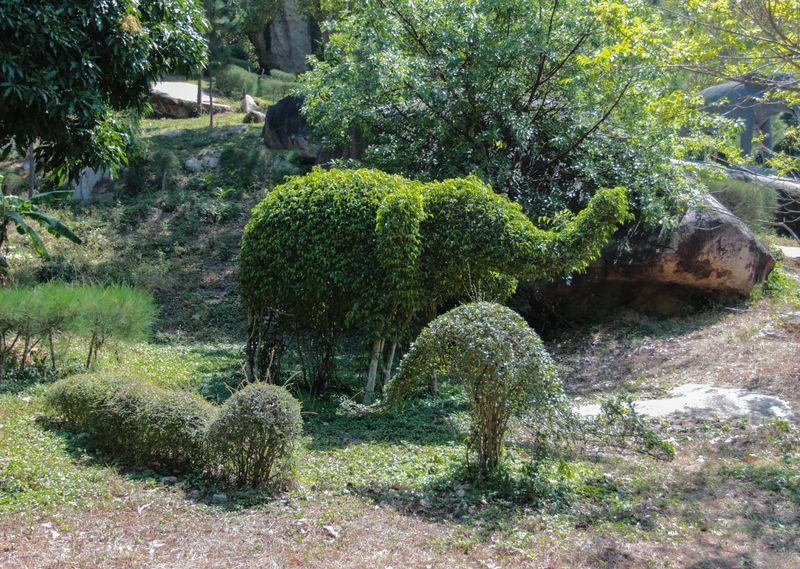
(172, 429)
(502, 364)
(255, 435)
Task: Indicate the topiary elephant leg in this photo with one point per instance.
(377, 350)
(747, 136)
(387, 366)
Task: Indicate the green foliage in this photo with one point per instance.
(360, 249)
(119, 312)
(255, 436)
(166, 165)
(754, 204)
(234, 81)
(502, 364)
(134, 420)
(67, 69)
(31, 317)
(17, 211)
(548, 101)
(619, 426)
(172, 427)
(37, 473)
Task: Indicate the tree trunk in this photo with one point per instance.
(377, 349)
(387, 367)
(200, 95)
(52, 350)
(31, 171)
(210, 100)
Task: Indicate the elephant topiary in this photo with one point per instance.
(365, 250)
(753, 102)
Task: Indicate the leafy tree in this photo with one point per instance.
(377, 253)
(546, 100)
(68, 69)
(755, 42)
(735, 40)
(503, 366)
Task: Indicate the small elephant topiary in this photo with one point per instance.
(502, 365)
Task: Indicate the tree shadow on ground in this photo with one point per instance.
(427, 421)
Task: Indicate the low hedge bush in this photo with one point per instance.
(250, 440)
(255, 435)
(172, 428)
(133, 420)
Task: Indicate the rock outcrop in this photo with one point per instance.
(710, 250)
(710, 254)
(175, 100)
(287, 40)
(249, 104)
(286, 129)
(254, 117)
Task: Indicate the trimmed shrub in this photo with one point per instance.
(172, 429)
(106, 408)
(502, 364)
(254, 437)
(73, 399)
(133, 420)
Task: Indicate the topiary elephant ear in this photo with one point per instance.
(399, 246)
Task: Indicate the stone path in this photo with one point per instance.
(791, 252)
(179, 90)
(698, 400)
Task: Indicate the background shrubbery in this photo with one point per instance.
(234, 81)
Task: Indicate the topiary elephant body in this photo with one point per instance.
(363, 249)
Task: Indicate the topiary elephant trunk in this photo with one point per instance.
(363, 250)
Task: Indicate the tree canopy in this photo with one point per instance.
(68, 69)
(547, 100)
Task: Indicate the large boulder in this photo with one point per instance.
(176, 100)
(286, 129)
(288, 39)
(93, 185)
(249, 104)
(711, 253)
(711, 250)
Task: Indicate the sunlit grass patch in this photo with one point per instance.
(37, 471)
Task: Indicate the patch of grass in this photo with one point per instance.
(180, 367)
(37, 472)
